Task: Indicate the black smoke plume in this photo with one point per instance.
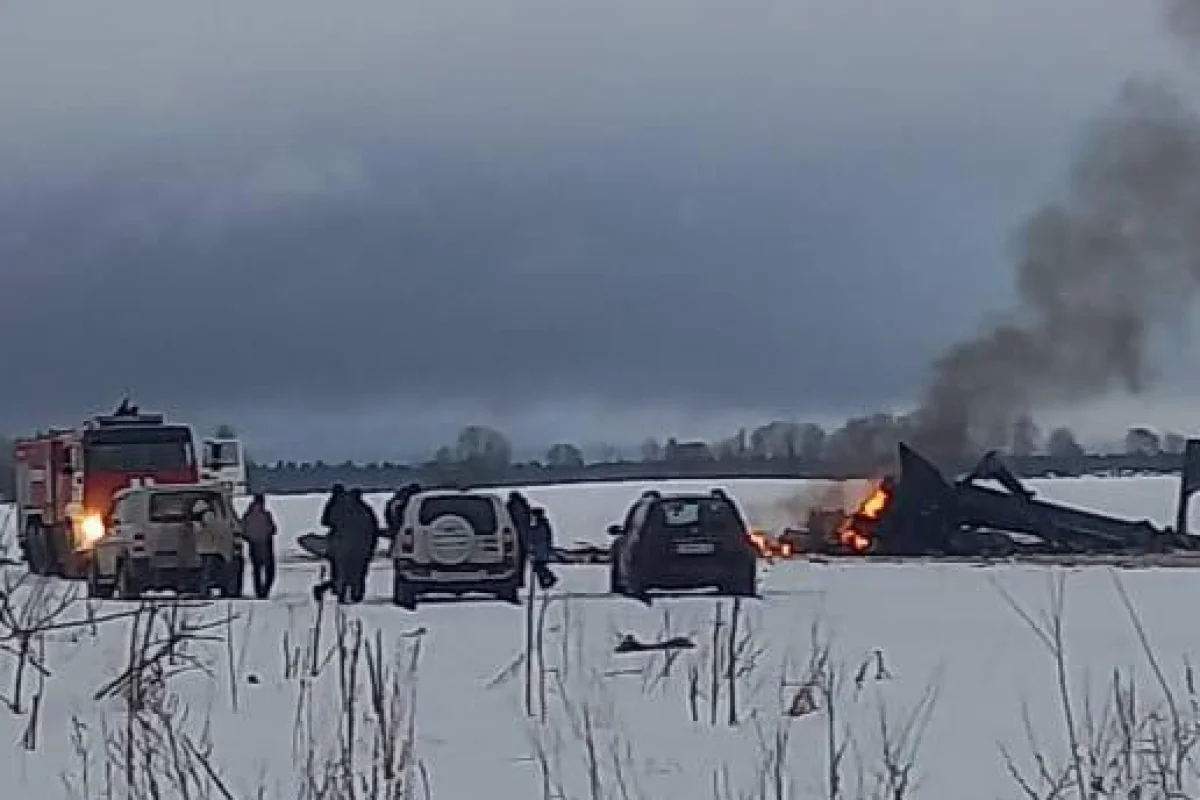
(1098, 273)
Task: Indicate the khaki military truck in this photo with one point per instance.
(183, 538)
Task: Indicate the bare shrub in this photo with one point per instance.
(33, 611)
(158, 750)
(582, 745)
(729, 657)
(1117, 743)
(582, 749)
(886, 762)
(361, 746)
(372, 755)
(871, 749)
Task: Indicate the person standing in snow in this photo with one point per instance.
(335, 519)
(259, 529)
(522, 517)
(393, 515)
(362, 537)
(541, 548)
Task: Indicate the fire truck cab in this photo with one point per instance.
(66, 480)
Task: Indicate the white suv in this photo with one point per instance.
(455, 542)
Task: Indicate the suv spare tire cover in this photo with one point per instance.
(451, 539)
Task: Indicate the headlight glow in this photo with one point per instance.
(92, 528)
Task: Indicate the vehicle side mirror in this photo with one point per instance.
(615, 530)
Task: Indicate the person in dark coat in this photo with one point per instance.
(522, 517)
(259, 530)
(362, 537)
(334, 518)
(541, 548)
(393, 515)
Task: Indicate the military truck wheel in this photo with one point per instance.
(234, 579)
(214, 576)
(57, 551)
(131, 582)
(98, 588)
(35, 547)
(744, 583)
(403, 594)
(191, 583)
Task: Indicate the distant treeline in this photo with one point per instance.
(481, 456)
(306, 478)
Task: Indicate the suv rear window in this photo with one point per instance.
(713, 513)
(681, 513)
(478, 511)
(177, 506)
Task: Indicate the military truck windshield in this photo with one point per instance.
(177, 506)
(478, 511)
(134, 449)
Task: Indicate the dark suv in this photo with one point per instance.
(683, 541)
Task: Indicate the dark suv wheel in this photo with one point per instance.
(403, 594)
(743, 582)
(615, 584)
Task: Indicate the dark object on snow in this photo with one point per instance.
(919, 512)
(315, 544)
(630, 644)
(580, 554)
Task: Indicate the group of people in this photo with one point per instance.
(354, 533)
(353, 536)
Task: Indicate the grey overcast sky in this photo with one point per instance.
(350, 228)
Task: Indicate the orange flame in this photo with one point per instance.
(871, 509)
(875, 504)
(766, 547)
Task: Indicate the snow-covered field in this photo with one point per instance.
(247, 705)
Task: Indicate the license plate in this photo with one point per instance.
(458, 576)
(695, 548)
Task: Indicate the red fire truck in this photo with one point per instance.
(66, 478)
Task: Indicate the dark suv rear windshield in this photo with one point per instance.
(478, 511)
(177, 506)
(712, 513)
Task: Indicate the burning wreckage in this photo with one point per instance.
(918, 512)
